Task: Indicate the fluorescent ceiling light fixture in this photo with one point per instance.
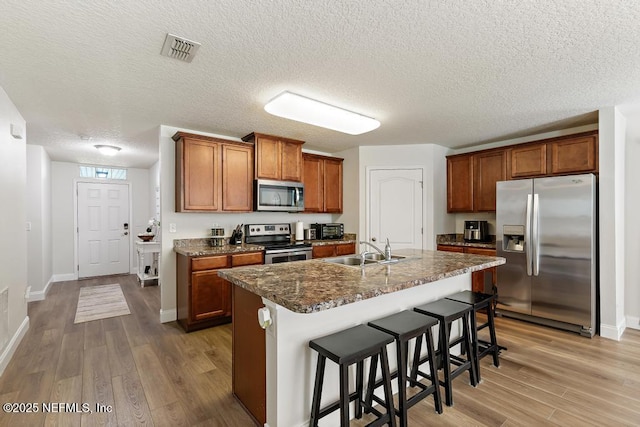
(108, 150)
(307, 110)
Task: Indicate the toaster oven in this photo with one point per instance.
(328, 231)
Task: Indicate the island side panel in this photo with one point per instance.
(291, 364)
(249, 358)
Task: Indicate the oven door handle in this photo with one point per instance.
(287, 252)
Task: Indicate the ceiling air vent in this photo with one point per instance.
(179, 48)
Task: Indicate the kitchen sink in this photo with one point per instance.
(369, 259)
(349, 260)
(379, 257)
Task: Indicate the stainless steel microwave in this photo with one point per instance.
(278, 196)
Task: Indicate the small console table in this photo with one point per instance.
(148, 248)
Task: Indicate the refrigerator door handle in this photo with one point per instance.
(527, 231)
(534, 235)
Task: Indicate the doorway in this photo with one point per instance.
(103, 229)
(395, 206)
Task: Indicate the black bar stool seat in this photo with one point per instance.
(405, 326)
(480, 301)
(447, 311)
(353, 345)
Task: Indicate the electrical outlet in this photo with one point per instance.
(172, 227)
(28, 225)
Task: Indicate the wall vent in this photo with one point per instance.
(4, 318)
(179, 48)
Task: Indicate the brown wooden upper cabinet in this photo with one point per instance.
(529, 160)
(489, 167)
(460, 183)
(556, 156)
(472, 177)
(574, 155)
(276, 157)
(322, 179)
(471, 180)
(213, 174)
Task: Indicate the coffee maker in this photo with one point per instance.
(476, 231)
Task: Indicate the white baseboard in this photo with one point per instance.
(8, 352)
(168, 315)
(40, 295)
(633, 322)
(65, 277)
(613, 332)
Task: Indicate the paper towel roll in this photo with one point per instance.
(299, 230)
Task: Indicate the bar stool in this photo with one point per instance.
(353, 345)
(447, 311)
(405, 326)
(479, 301)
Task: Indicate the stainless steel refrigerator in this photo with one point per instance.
(546, 230)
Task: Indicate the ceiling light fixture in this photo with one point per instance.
(307, 110)
(108, 150)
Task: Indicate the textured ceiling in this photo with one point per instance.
(432, 71)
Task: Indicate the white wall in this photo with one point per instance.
(430, 157)
(63, 176)
(612, 225)
(632, 238)
(13, 251)
(197, 225)
(38, 196)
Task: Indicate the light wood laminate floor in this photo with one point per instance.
(155, 374)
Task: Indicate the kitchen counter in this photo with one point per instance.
(347, 238)
(458, 240)
(202, 247)
(314, 298)
(316, 285)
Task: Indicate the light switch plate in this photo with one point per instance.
(172, 227)
(16, 131)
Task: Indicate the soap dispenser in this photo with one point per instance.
(387, 250)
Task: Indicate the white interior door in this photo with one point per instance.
(103, 229)
(395, 208)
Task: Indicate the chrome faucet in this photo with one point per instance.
(387, 256)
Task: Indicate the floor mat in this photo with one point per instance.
(101, 302)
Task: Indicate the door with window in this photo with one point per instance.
(103, 229)
(395, 208)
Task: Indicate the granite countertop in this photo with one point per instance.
(458, 240)
(202, 247)
(316, 285)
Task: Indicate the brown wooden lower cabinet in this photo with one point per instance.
(249, 354)
(204, 298)
(477, 277)
(338, 249)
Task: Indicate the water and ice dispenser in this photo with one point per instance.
(513, 238)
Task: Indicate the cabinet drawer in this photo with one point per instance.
(324, 251)
(209, 263)
(450, 248)
(346, 249)
(481, 251)
(252, 258)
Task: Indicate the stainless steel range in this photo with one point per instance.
(276, 238)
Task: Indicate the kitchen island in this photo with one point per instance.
(309, 299)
